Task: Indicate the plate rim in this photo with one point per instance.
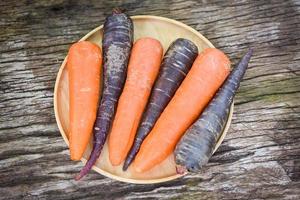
(99, 170)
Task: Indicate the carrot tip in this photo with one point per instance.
(78, 177)
(115, 163)
(137, 169)
(181, 169)
(250, 50)
(118, 10)
(75, 158)
(125, 167)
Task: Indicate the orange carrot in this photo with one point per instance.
(143, 68)
(208, 72)
(84, 65)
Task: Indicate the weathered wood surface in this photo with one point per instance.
(260, 157)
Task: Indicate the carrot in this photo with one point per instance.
(207, 74)
(197, 145)
(84, 64)
(176, 64)
(143, 68)
(116, 45)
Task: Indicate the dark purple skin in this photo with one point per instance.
(196, 146)
(116, 45)
(176, 64)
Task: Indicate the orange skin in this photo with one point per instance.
(207, 74)
(84, 67)
(143, 68)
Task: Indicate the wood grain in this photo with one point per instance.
(260, 157)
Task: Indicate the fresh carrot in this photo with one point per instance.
(196, 146)
(208, 72)
(84, 64)
(116, 45)
(143, 68)
(176, 64)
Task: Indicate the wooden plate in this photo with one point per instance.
(166, 31)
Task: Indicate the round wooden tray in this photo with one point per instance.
(166, 31)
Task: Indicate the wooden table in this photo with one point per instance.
(260, 157)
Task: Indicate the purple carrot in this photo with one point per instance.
(116, 45)
(197, 145)
(175, 65)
